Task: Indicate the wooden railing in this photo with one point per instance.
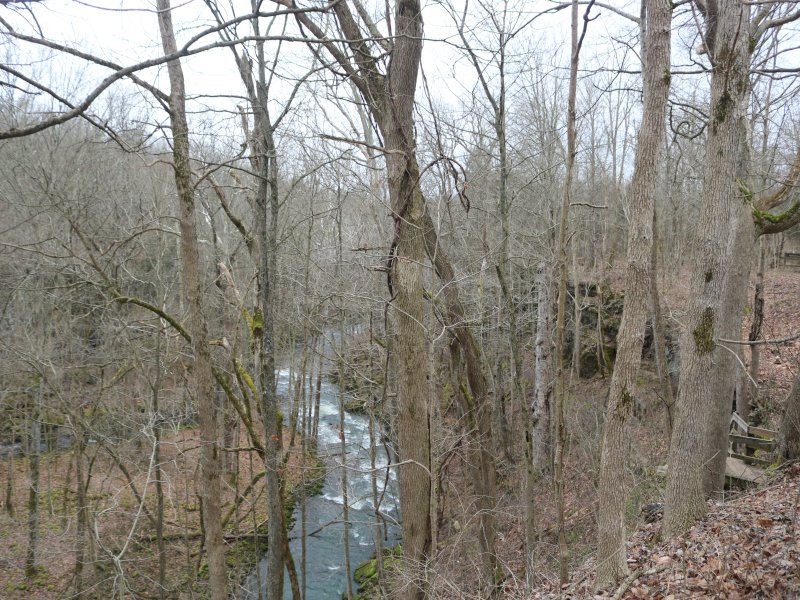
(789, 259)
(744, 436)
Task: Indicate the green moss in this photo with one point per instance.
(366, 571)
(248, 380)
(255, 322)
(467, 395)
(627, 400)
(704, 333)
(746, 192)
(763, 217)
(366, 574)
(722, 109)
(709, 276)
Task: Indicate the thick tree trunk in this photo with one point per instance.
(613, 485)
(406, 277)
(698, 407)
(193, 293)
(728, 373)
(412, 410)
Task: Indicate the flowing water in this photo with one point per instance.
(326, 576)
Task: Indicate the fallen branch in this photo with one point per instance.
(625, 585)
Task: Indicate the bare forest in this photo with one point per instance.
(388, 299)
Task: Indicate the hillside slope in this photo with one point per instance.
(745, 548)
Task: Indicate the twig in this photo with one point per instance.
(739, 360)
(785, 340)
(625, 585)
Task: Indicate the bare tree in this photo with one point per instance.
(561, 376)
(612, 484)
(203, 375)
(730, 219)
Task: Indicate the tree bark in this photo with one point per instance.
(613, 485)
(406, 276)
(203, 377)
(659, 337)
(543, 374)
(561, 379)
(790, 424)
(694, 440)
(34, 449)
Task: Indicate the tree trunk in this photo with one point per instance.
(728, 373)
(543, 374)
(538, 459)
(478, 407)
(790, 424)
(406, 279)
(577, 312)
(561, 379)
(699, 405)
(82, 509)
(659, 338)
(745, 401)
(34, 449)
(412, 410)
(193, 293)
(162, 555)
(10, 481)
(613, 485)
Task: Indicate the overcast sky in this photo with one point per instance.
(126, 31)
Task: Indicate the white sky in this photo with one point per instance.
(126, 32)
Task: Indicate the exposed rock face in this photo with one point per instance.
(599, 345)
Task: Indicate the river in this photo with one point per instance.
(325, 562)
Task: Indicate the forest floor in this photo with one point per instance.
(113, 510)
(714, 560)
(746, 547)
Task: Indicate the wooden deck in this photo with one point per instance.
(738, 469)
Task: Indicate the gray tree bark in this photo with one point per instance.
(561, 379)
(613, 484)
(203, 376)
(543, 375)
(698, 406)
(396, 122)
(34, 449)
